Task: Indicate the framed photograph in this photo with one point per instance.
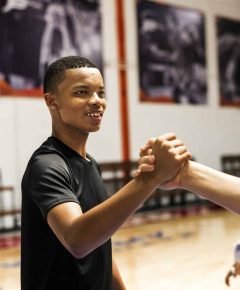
(228, 43)
(171, 54)
(34, 33)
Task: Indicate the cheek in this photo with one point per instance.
(68, 112)
(72, 106)
(104, 104)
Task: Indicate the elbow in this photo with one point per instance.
(76, 248)
(77, 252)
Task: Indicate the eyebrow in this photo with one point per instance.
(86, 87)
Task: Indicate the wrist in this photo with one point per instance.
(186, 175)
(147, 180)
(194, 178)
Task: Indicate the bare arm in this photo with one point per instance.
(221, 188)
(82, 233)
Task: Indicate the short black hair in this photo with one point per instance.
(55, 72)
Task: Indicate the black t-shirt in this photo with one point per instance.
(56, 174)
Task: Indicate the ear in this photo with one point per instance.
(50, 100)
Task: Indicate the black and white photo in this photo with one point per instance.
(36, 32)
(171, 50)
(228, 42)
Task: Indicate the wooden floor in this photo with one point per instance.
(181, 253)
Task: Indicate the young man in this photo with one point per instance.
(67, 220)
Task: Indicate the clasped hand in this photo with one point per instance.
(163, 157)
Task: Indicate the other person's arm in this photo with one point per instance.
(221, 188)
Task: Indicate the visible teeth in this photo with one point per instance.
(94, 114)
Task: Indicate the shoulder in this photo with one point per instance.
(47, 156)
(48, 160)
(47, 165)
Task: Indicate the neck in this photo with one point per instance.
(72, 138)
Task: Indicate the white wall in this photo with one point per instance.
(209, 131)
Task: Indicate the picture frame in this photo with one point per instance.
(228, 54)
(35, 33)
(171, 54)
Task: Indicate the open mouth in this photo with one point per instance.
(95, 114)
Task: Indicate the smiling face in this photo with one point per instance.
(80, 100)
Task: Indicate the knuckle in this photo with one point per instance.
(183, 149)
(139, 161)
(151, 140)
(160, 139)
(171, 151)
(178, 159)
(149, 152)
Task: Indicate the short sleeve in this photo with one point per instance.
(49, 182)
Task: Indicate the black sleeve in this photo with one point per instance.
(50, 182)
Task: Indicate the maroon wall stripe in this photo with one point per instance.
(122, 81)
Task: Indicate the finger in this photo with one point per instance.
(145, 152)
(143, 168)
(176, 143)
(149, 159)
(168, 136)
(184, 157)
(147, 167)
(148, 145)
(136, 173)
(179, 150)
(164, 140)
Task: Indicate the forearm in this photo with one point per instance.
(214, 185)
(97, 225)
(81, 233)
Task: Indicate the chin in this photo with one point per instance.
(94, 129)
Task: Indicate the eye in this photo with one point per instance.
(81, 93)
(101, 94)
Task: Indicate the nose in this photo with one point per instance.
(96, 100)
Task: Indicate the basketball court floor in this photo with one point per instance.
(158, 252)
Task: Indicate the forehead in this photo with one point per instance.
(82, 76)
